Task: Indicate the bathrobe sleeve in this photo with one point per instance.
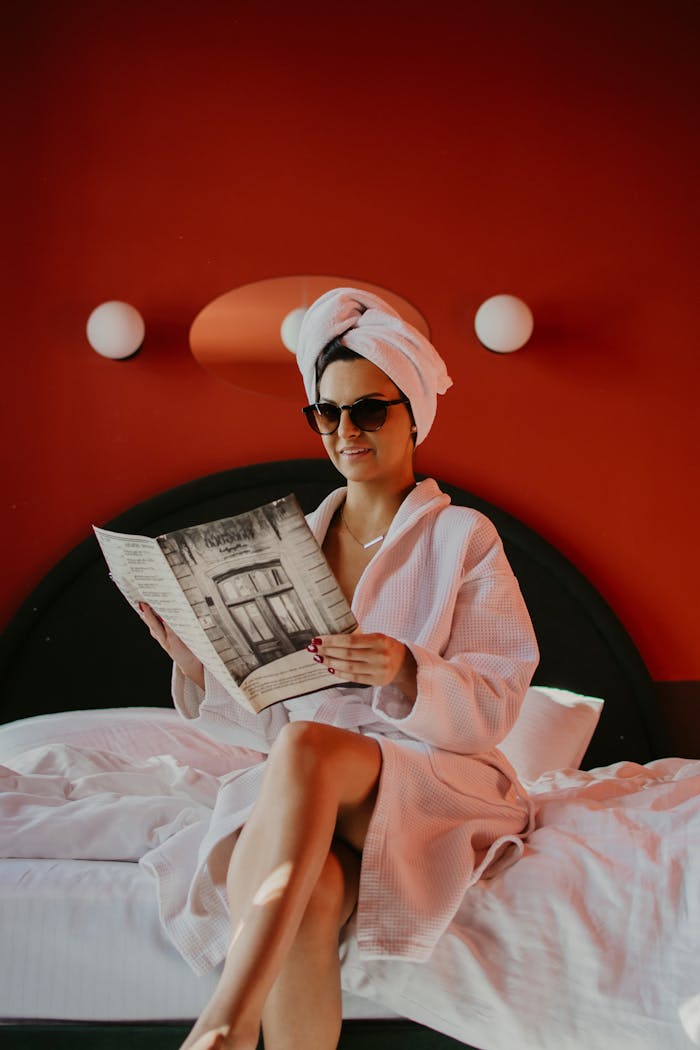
(215, 712)
(471, 689)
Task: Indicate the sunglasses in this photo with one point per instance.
(368, 413)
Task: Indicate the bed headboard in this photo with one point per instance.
(75, 644)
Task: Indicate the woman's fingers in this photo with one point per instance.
(372, 659)
(154, 623)
(160, 630)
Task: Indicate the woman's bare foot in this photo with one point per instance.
(222, 1037)
(212, 1040)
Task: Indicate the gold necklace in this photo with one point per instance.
(365, 546)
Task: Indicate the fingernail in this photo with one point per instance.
(316, 641)
(311, 648)
(318, 659)
(140, 606)
(331, 670)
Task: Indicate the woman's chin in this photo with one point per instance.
(355, 463)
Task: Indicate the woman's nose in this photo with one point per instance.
(346, 426)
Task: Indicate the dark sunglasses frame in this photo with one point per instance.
(312, 414)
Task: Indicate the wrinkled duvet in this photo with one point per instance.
(591, 940)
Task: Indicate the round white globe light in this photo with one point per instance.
(503, 323)
(289, 329)
(115, 330)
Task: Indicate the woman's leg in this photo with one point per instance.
(319, 781)
(304, 1008)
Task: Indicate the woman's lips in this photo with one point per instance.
(354, 452)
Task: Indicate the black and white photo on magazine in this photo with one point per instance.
(258, 584)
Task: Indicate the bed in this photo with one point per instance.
(590, 940)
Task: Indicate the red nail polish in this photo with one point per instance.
(318, 659)
(331, 670)
(311, 648)
(315, 641)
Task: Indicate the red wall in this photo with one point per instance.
(164, 153)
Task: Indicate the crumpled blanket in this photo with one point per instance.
(67, 802)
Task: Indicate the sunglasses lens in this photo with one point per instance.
(368, 414)
(323, 418)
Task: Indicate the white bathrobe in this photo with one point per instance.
(449, 807)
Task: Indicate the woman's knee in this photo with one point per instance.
(329, 765)
(301, 748)
(300, 734)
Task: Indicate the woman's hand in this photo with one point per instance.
(369, 659)
(176, 649)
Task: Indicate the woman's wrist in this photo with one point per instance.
(407, 678)
(194, 670)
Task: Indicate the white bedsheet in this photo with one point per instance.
(81, 940)
(590, 941)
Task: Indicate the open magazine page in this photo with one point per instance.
(141, 572)
(261, 589)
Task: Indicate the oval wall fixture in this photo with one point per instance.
(238, 336)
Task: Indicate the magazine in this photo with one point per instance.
(246, 594)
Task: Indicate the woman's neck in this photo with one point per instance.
(369, 509)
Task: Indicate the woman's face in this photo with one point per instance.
(366, 456)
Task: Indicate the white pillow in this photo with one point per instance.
(552, 731)
(137, 732)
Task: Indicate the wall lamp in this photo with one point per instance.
(289, 329)
(115, 330)
(503, 323)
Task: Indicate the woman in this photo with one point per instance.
(390, 800)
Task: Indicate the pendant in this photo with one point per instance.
(371, 543)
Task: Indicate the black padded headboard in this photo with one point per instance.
(75, 644)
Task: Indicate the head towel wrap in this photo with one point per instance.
(373, 329)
